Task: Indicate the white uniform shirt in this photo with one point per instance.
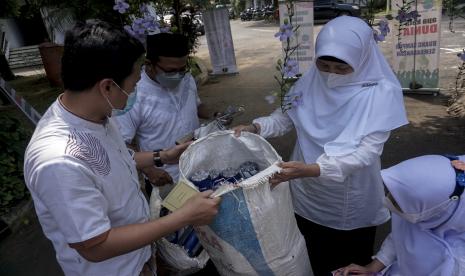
(387, 253)
(161, 116)
(347, 195)
(84, 182)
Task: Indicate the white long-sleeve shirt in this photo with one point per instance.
(387, 253)
(348, 193)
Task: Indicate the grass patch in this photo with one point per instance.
(37, 91)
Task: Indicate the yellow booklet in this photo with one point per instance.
(179, 195)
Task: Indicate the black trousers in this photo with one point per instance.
(330, 249)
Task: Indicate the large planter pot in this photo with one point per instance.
(51, 54)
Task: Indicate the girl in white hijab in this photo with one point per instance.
(349, 101)
(428, 226)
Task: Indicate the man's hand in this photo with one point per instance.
(253, 128)
(157, 177)
(200, 209)
(294, 169)
(171, 155)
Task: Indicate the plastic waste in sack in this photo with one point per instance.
(185, 237)
(202, 180)
(212, 179)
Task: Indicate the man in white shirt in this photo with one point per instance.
(167, 107)
(81, 176)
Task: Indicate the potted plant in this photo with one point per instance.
(59, 16)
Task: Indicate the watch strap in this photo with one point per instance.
(157, 159)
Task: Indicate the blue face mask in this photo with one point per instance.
(129, 103)
(169, 80)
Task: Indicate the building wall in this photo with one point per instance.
(13, 33)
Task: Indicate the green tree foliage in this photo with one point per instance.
(9, 8)
(13, 140)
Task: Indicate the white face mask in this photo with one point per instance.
(334, 80)
(418, 217)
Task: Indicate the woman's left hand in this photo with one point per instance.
(295, 169)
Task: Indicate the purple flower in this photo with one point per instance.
(131, 32)
(462, 55)
(150, 24)
(414, 15)
(402, 16)
(297, 100)
(285, 32)
(138, 26)
(384, 27)
(270, 99)
(378, 36)
(291, 68)
(121, 6)
(144, 8)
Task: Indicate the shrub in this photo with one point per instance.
(13, 139)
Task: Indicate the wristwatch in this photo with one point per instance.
(157, 159)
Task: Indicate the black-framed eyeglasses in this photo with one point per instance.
(183, 70)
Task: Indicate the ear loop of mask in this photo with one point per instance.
(116, 111)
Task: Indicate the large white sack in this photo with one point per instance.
(255, 232)
(175, 256)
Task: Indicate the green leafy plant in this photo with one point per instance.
(288, 67)
(13, 138)
(10, 8)
(407, 15)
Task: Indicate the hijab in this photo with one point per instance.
(336, 117)
(435, 244)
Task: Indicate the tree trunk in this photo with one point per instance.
(177, 15)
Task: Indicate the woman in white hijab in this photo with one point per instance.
(428, 226)
(349, 102)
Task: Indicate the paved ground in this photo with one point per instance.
(431, 130)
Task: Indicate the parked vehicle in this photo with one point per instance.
(247, 14)
(232, 13)
(258, 14)
(199, 26)
(328, 9)
(196, 20)
(271, 13)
